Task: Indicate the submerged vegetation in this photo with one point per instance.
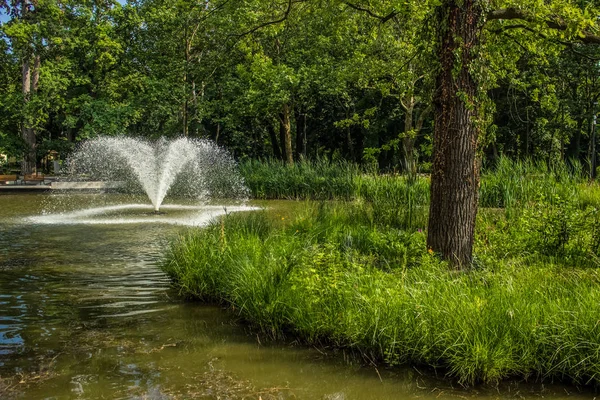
(358, 274)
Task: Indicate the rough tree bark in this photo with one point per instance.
(274, 143)
(455, 174)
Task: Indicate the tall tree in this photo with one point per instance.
(25, 35)
(455, 175)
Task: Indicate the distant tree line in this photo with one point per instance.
(287, 80)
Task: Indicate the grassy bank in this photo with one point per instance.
(349, 275)
(357, 273)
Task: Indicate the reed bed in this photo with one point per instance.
(304, 180)
(507, 184)
(512, 184)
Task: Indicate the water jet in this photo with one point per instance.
(180, 167)
(194, 174)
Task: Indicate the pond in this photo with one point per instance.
(86, 313)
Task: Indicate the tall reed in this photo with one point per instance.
(399, 201)
(508, 184)
(314, 180)
(513, 183)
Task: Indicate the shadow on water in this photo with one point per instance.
(86, 313)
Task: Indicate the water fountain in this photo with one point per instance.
(190, 170)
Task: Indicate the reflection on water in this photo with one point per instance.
(85, 313)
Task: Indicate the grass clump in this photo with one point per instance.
(512, 184)
(335, 273)
(303, 180)
(401, 201)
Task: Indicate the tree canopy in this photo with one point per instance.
(357, 78)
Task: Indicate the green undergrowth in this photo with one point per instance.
(507, 184)
(511, 184)
(314, 180)
(347, 275)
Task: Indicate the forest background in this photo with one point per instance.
(288, 80)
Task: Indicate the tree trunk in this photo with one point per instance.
(575, 143)
(411, 131)
(285, 134)
(274, 143)
(35, 77)
(592, 150)
(300, 135)
(408, 141)
(455, 175)
(185, 111)
(27, 132)
(195, 119)
(349, 141)
(304, 137)
(218, 132)
(185, 118)
(298, 147)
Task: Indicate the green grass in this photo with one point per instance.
(397, 200)
(337, 274)
(508, 184)
(357, 273)
(513, 183)
(315, 180)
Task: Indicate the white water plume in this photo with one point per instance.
(190, 168)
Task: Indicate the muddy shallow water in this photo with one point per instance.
(86, 313)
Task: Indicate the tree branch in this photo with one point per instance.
(556, 24)
(274, 22)
(383, 19)
(210, 12)
(525, 27)
(402, 103)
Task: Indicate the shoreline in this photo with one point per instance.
(304, 278)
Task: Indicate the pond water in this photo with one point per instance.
(86, 313)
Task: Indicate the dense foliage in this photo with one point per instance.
(288, 81)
